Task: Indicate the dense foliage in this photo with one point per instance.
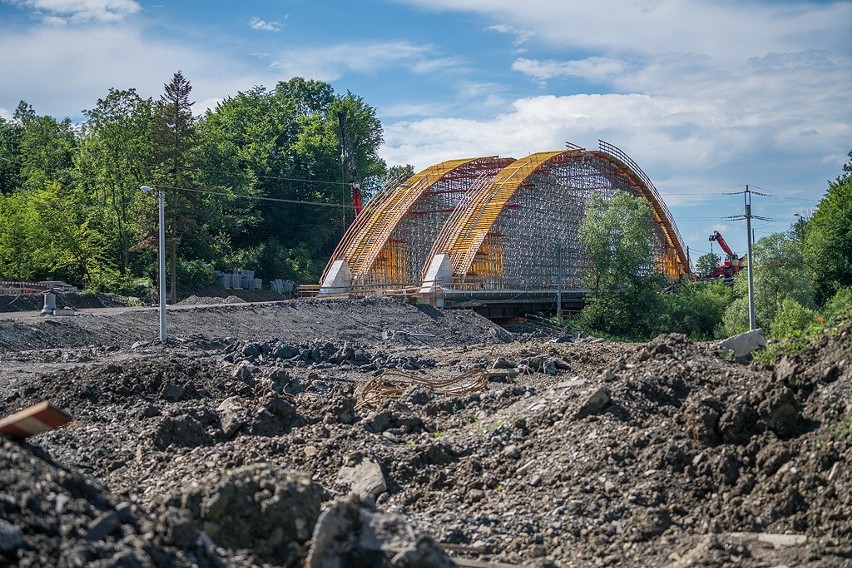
(617, 237)
(828, 238)
(257, 183)
(802, 278)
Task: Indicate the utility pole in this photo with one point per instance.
(752, 319)
(161, 256)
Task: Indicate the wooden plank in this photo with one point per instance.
(39, 418)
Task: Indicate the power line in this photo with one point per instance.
(257, 197)
(284, 178)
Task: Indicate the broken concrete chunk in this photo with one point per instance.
(351, 534)
(596, 401)
(743, 344)
(365, 479)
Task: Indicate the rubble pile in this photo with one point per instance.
(260, 451)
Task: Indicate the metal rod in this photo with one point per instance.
(161, 199)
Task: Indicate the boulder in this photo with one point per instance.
(365, 479)
(356, 536)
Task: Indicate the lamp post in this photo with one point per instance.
(161, 199)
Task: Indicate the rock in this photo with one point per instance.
(252, 350)
(259, 507)
(183, 431)
(352, 535)
(232, 415)
(102, 526)
(782, 413)
(702, 420)
(171, 392)
(502, 363)
(502, 375)
(244, 370)
(743, 344)
(178, 528)
(595, 402)
(365, 479)
(11, 537)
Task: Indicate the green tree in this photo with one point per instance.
(779, 273)
(284, 144)
(706, 263)
(696, 309)
(176, 153)
(617, 237)
(828, 238)
(113, 161)
(10, 142)
(46, 149)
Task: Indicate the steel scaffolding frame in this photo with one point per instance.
(502, 223)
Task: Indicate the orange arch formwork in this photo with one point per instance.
(510, 232)
(389, 241)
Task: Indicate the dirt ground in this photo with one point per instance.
(377, 433)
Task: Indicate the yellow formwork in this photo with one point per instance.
(390, 265)
(370, 232)
(463, 239)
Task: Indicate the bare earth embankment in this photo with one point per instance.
(255, 437)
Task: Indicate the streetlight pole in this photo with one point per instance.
(161, 206)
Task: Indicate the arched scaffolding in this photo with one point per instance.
(494, 223)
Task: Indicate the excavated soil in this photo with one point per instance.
(250, 440)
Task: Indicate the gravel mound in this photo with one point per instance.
(259, 450)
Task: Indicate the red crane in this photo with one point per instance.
(732, 264)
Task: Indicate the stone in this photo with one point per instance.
(11, 537)
(102, 526)
(243, 371)
(365, 479)
(595, 402)
(502, 363)
(353, 535)
(260, 507)
(502, 375)
(232, 415)
(743, 344)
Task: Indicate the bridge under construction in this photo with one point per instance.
(498, 234)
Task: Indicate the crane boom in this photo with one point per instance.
(717, 236)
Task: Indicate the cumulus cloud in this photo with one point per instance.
(57, 12)
(264, 26)
(113, 56)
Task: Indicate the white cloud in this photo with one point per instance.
(328, 63)
(264, 26)
(61, 11)
(521, 36)
(720, 29)
(100, 58)
(594, 68)
(5, 114)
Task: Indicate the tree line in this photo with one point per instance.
(802, 277)
(256, 182)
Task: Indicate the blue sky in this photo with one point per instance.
(705, 96)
